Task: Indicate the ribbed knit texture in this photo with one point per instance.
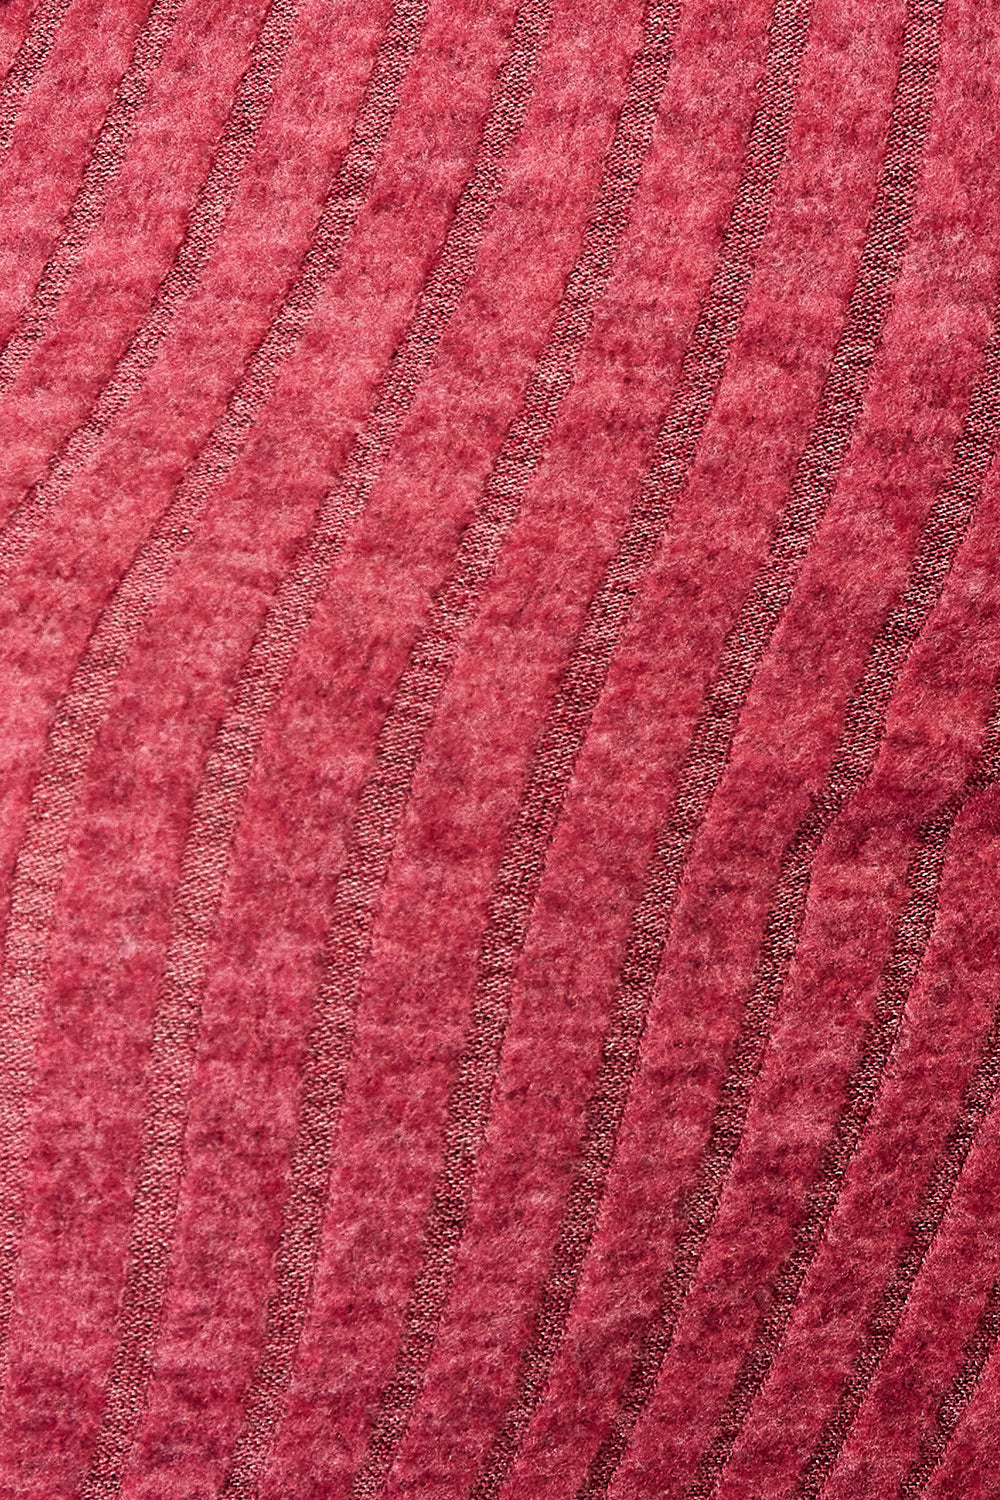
(499, 749)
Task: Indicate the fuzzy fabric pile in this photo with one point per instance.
(499, 749)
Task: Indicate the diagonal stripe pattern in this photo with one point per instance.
(840, 406)
(42, 853)
(499, 740)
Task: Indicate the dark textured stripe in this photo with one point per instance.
(205, 222)
(864, 1085)
(884, 1319)
(88, 205)
(839, 410)
(520, 872)
(39, 868)
(978, 1351)
(29, 62)
(403, 732)
(220, 795)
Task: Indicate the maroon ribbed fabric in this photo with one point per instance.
(500, 749)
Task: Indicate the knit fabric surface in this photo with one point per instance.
(499, 749)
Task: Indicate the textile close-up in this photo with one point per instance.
(499, 749)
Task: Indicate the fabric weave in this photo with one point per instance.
(500, 742)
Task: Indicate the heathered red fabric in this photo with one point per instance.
(500, 749)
